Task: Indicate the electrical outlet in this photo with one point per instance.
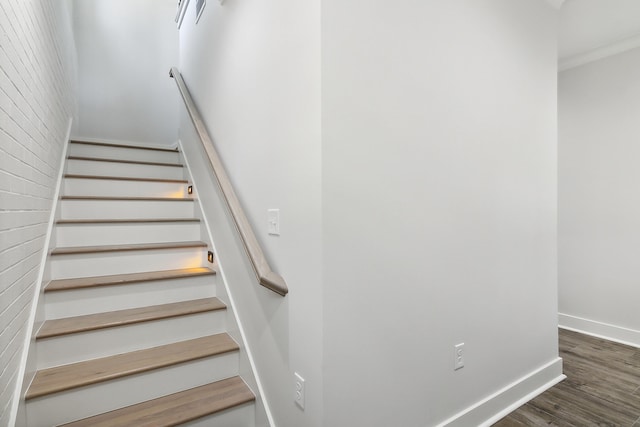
(458, 361)
(299, 390)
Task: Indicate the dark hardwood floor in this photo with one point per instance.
(602, 387)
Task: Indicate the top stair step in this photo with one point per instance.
(123, 152)
(177, 408)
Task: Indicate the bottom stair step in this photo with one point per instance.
(177, 408)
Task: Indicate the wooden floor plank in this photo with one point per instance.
(509, 422)
(123, 279)
(176, 409)
(66, 377)
(602, 386)
(529, 415)
(92, 322)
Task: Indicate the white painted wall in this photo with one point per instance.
(37, 70)
(419, 214)
(599, 201)
(125, 50)
(439, 206)
(253, 68)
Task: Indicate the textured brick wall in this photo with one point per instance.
(36, 101)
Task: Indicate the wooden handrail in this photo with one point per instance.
(266, 277)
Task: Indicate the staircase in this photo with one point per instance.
(133, 333)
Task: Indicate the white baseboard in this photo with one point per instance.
(261, 401)
(495, 407)
(603, 330)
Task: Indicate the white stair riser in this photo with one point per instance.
(117, 153)
(129, 170)
(240, 416)
(125, 262)
(112, 234)
(120, 188)
(77, 347)
(78, 302)
(91, 400)
(128, 209)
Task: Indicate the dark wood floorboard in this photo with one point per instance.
(602, 388)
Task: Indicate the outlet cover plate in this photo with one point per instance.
(458, 361)
(299, 392)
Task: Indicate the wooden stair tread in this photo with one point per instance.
(133, 162)
(66, 377)
(124, 178)
(123, 221)
(92, 322)
(123, 279)
(72, 250)
(130, 198)
(177, 408)
(134, 147)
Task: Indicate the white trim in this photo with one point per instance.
(597, 329)
(17, 395)
(123, 142)
(220, 272)
(498, 405)
(199, 12)
(599, 53)
(182, 11)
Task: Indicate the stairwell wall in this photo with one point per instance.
(125, 50)
(439, 208)
(599, 203)
(37, 101)
(253, 69)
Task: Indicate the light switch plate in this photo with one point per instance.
(273, 222)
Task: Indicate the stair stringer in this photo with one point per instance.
(36, 318)
(247, 366)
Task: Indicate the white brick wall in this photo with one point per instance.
(37, 74)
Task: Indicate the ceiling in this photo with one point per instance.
(586, 25)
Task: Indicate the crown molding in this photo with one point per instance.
(599, 53)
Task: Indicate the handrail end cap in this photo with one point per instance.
(274, 282)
